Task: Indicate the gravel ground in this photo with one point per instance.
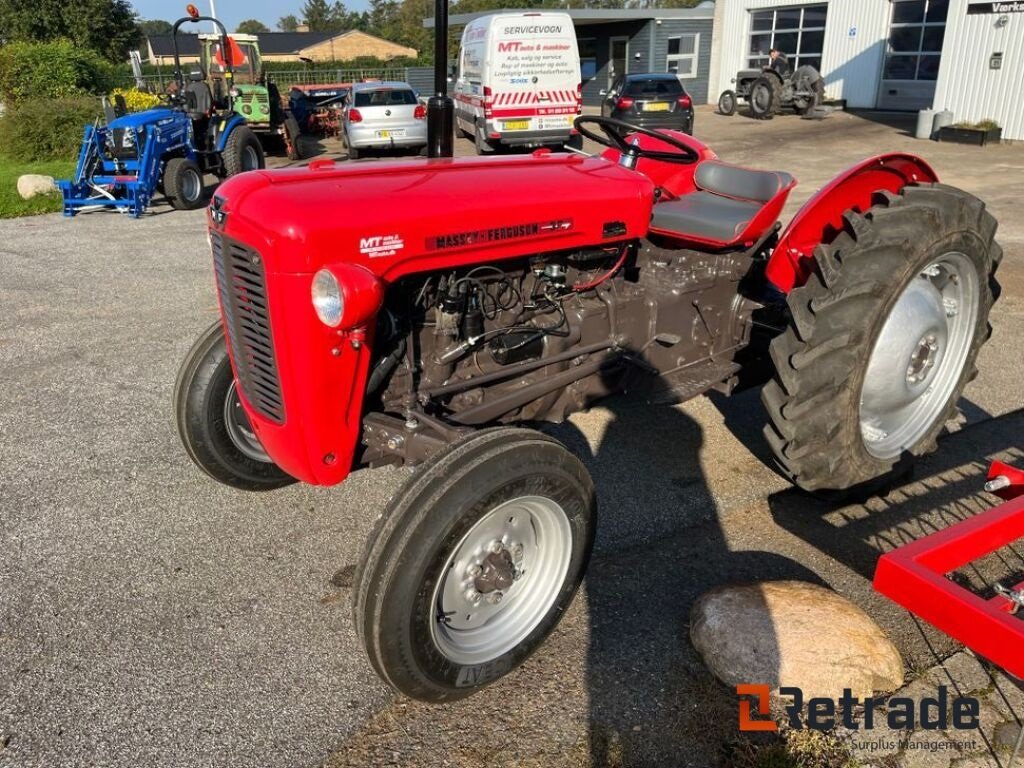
(149, 616)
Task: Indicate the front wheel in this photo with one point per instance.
(727, 103)
(883, 339)
(212, 423)
(474, 562)
(183, 184)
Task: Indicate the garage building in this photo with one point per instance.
(963, 55)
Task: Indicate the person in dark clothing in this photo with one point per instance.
(779, 63)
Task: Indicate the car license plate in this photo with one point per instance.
(656, 106)
(516, 125)
(392, 134)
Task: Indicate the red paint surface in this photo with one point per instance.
(822, 216)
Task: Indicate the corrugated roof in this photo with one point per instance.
(271, 43)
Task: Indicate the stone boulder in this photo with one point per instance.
(32, 184)
(792, 633)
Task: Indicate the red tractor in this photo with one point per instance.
(420, 312)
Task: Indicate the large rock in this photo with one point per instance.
(32, 184)
(791, 633)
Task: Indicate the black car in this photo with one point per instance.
(650, 101)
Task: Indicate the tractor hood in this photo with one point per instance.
(141, 119)
(395, 218)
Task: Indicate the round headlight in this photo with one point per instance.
(327, 298)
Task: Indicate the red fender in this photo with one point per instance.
(821, 218)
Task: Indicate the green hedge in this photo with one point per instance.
(51, 70)
(47, 129)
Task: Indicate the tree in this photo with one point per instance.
(150, 27)
(288, 23)
(109, 27)
(251, 27)
(319, 16)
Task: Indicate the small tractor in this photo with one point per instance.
(125, 162)
(459, 301)
(255, 97)
(767, 92)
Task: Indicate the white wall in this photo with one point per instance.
(852, 64)
(966, 84)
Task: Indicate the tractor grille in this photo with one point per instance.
(243, 299)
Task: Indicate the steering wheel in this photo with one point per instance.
(613, 134)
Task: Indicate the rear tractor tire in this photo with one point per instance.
(182, 183)
(765, 98)
(474, 562)
(883, 339)
(242, 152)
(292, 139)
(212, 423)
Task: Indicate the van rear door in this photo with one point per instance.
(534, 73)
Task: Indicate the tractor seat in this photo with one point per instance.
(729, 201)
(199, 100)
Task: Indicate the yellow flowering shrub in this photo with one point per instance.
(136, 100)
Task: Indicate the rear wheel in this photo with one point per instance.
(883, 339)
(212, 423)
(474, 562)
(292, 145)
(183, 184)
(727, 103)
(765, 97)
(242, 152)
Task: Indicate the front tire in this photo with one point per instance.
(474, 562)
(212, 423)
(292, 139)
(727, 103)
(183, 184)
(242, 152)
(883, 339)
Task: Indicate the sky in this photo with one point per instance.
(231, 11)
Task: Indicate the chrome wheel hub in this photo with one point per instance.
(239, 429)
(501, 580)
(919, 356)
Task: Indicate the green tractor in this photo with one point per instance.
(255, 98)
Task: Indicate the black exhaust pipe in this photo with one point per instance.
(440, 107)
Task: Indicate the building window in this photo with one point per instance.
(915, 39)
(797, 32)
(682, 55)
(588, 58)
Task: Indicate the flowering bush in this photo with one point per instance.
(136, 100)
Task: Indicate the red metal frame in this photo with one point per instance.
(915, 576)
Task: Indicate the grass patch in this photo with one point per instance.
(11, 204)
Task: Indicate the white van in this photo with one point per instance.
(519, 81)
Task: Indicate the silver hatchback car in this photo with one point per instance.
(384, 115)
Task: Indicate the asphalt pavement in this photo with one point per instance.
(150, 617)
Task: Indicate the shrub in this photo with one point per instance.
(50, 70)
(47, 129)
(136, 100)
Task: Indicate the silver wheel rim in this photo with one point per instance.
(239, 429)
(191, 185)
(250, 159)
(919, 356)
(480, 616)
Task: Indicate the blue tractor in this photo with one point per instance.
(125, 162)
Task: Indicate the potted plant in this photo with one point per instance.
(979, 134)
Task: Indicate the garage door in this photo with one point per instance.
(913, 54)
